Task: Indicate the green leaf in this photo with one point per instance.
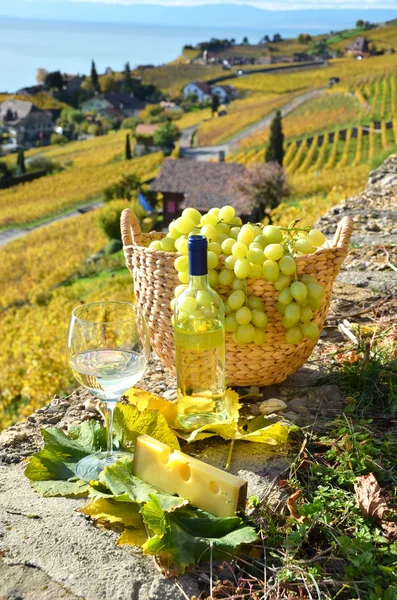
(119, 479)
(89, 434)
(112, 511)
(129, 423)
(60, 488)
(184, 537)
(61, 453)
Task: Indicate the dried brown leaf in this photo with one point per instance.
(372, 503)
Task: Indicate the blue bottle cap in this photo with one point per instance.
(197, 246)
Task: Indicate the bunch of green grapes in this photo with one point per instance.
(238, 252)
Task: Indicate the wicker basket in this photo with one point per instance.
(155, 279)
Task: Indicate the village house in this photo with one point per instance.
(24, 122)
(72, 84)
(114, 105)
(225, 93)
(202, 185)
(359, 48)
(144, 133)
(200, 89)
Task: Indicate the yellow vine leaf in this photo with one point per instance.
(132, 537)
(113, 511)
(146, 400)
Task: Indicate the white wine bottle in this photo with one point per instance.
(199, 328)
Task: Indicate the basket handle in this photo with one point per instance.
(130, 229)
(343, 233)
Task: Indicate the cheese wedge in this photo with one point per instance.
(205, 486)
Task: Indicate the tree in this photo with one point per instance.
(127, 83)
(94, 77)
(129, 123)
(245, 40)
(275, 148)
(127, 147)
(265, 185)
(4, 170)
(54, 80)
(41, 75)
(277, 37)
(108, 84)
(21, 169)
(214, 104)
(166, 135)
(304, 38)
(360, 23)
(266, 39)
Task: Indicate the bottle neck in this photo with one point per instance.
(198, 281)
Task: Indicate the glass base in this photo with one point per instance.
(89, 467)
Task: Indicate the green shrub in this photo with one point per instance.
(129, 123)
(57, 138)
(113, 246)
(42, 163)
(108, 218)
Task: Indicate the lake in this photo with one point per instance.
(26, 45)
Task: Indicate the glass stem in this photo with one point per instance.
(110, 406)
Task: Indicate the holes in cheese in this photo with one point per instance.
(205, 486)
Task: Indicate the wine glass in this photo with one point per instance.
(108, 348)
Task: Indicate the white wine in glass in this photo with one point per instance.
(109, 348)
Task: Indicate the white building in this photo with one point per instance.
(201, 89)
(224, 92)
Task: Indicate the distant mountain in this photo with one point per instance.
(215, 15)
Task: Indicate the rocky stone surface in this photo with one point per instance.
(49, 551)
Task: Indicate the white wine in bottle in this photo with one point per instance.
(199, 328)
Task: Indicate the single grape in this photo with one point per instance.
(214, 211)
(214, 247)
(230, 261)
(272, 234)
(293, 335)
(239, 250)
(226, 214)
(281, 307)
(155, 245)
(226, 277)
(292, 312)
(243, 315)
(256, 256)
(314, 303)
(227, 246)
(167, 244)
(287, 265)
(212, 260)
(236, 221)
(241, 268)
(183, 277)
(298, 290)
(184, 225)
(181, 245)
(234, 231)
(255, 303)
(303, 246)
(306, 314)
(238, 284)
(245, 236)
(179, 289)
(228, 310)
(257, 230)
(270, 270)
(316, 238)
(285, 296)
(282, 282)
(245, 334)
(209, 219)
(315, 290)
(303, 302)
(310, 330)
(231, 324)
(259, 318)
(259, 337)
(307, 278)
(222, 229)
(255, 271)
(187, 304)
(274, 251)
(181, 264)
(182, 316)
(256, 246)
(204, 297)
(213, 278)
(221, 238)
(260, 239)
(210, 232)
(172, 304)
(192, 214)
(236, 299)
